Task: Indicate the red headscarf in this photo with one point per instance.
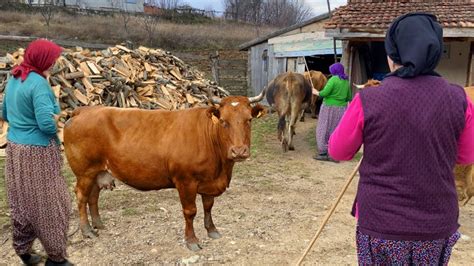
(39, 57)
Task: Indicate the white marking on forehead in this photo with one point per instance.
(235, 104)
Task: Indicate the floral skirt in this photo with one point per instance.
(374, 251)
(38, 197)
(329, 118)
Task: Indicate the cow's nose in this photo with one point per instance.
(240, 152)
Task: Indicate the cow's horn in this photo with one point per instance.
(259, 97)
(216, 100)
(359, 86)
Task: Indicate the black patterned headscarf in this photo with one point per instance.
(415, 41)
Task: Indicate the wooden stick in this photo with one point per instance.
(331, 211)
(309, 74)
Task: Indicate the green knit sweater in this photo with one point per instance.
(337, 92)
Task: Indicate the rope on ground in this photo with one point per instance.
(5, 240)
(73, 233)
(331, 211)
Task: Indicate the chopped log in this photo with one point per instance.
(74, 75)
(81, 97)
(93, 67)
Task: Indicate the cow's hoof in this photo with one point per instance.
(291, 148)
(88, 232)
(98, 224)
(284, 145)
(193, 246)
(214, 235)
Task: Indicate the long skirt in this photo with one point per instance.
(38, 197)
(329, 118)
(374, 251)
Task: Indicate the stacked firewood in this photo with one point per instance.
(142, 78)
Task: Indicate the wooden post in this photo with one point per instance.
(333, 39)
(215, 66)
(470, 67)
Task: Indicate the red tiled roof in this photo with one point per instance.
(377, 16)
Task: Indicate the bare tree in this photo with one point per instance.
(47, 12)
(150, 24)
(125, 15)
(210, 12)
(272, 12)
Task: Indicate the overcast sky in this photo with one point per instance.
(319, 6)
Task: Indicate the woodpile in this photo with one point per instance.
(142, 78)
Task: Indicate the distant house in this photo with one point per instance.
(361, 26)
(107, 5)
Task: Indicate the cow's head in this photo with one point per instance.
(233, 116)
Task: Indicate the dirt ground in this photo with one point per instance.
(268, 215)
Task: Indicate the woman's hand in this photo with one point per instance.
(57, 120)
(315, 92)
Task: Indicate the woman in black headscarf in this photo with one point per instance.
(414, 128)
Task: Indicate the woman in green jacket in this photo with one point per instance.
(336, 94)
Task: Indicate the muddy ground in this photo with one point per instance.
(268, 216)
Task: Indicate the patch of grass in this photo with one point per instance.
(188, 35)
(4, 219)
(130, 212)
(310, 137)
(261, 129)
(69, 175)
(357, 156)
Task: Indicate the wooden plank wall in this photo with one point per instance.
(258, 76)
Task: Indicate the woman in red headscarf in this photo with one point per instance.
(37, 192)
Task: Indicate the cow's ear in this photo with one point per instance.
(214, 114)
(258, 111)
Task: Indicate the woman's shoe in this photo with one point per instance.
(30, 259)
(62, 263)
(321, 157)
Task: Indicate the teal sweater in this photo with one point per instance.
(28, 107)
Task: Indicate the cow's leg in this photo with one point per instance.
(302, 115)
(207, 203)
(187, 195)
(291, 125)
(284, 141)
(281, 127)
(83, 189)
(314, 100)
(94, 207)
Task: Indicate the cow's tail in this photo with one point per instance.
(281, 123)
(79, 110)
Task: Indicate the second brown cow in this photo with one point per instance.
(289, 93)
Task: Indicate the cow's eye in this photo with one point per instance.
(224, 123)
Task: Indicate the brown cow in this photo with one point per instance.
(464, 174)
(288, 93)
(318, 80)
(192, 150)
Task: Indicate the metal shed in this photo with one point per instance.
(287, 50)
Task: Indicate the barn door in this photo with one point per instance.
(291, 64)
(300, 65)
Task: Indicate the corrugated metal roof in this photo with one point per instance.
(247, 45)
